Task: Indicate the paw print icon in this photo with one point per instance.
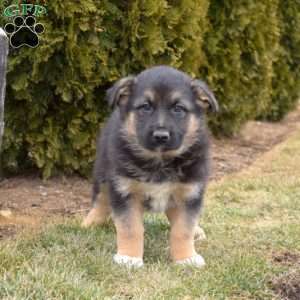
(24, 32)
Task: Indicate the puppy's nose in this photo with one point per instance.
(161, 136)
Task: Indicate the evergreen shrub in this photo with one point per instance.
(248, 52)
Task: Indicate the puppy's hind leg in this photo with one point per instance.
(199, 234)
(101, 207)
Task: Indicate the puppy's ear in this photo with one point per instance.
(205, 96)
(119, 93)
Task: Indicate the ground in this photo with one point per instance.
(30, 200)
(251, 218)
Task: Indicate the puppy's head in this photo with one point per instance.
(162, 108)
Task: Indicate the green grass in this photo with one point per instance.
(248, 217)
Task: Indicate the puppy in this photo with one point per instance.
(153, 154)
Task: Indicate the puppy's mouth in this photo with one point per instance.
(162, 147)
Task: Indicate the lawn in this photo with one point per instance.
(252, 251)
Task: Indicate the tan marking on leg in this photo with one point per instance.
(181, 235)
(130, 232)
(100, 212)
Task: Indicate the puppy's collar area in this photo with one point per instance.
(128, 261)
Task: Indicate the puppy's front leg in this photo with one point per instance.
(128, 219)
(183, 226)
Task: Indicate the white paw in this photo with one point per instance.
(196, 261)
(128, 261)
(199, 234)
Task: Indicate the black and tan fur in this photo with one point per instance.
(153, 154)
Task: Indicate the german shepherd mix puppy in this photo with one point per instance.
(153, 155)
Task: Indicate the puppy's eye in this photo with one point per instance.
(179, 110)
(146, 107)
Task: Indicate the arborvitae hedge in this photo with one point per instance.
(54, 103)
(166, 32)
(286, 69)
(241, 46)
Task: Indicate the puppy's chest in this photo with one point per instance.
(158, 196)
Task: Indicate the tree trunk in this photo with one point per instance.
(3, 61)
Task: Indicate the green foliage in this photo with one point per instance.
(241, 47)
(286, 78)
(54, 98)
(167, 32)
(54, 103)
